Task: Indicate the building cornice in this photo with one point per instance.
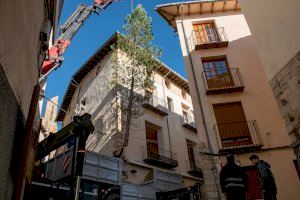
(172, 11)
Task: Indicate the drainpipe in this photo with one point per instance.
(201, 106)
(168, 127)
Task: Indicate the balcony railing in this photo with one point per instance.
(238, 136)
(160, 157)
(194, 168)
(209, 38)
(188, 122)
(223, 80)
(156, 105)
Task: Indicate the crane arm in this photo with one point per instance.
(67, 32)
(81, 127)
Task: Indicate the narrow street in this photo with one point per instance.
(149, 100)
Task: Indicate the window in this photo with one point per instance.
(185, 112)
(217, 72)
(82, 104)
(170, 104)
(151, 138)
(190, 149)
(168, 84)
(183, 94)
(206, 33)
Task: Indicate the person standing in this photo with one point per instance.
(267, 179)
(233, 180)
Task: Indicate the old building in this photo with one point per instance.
(48, 121)
(25, 33)
(163, 141)
(49, 124)
(278, 45)
(235, 109)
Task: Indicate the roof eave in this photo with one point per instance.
(80, 74)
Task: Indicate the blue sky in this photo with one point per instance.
(98, 28)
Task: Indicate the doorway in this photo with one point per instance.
(254, 191)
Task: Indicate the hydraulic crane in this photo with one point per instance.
(67, 31)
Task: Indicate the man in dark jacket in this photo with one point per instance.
(267, 179)
(233, 180)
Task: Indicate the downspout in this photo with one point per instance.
(168, 127)
(201, 106)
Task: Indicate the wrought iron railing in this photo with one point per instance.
(209, 35)
(238, 135)
(188, 121)
(151, 152)
(156, 102)
(223, 79)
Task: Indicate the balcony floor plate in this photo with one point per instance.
(211, 45)
(224, 90)
(196, 172)
(161, 163)
(245, 148)
(154, 109)
(188, 126)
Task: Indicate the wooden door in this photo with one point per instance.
(217, 73)
(232, 125)
(191, 156)
(254, 189)
(205, 33)
(152, 143)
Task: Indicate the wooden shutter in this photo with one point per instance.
(152, 143)
(232, 125)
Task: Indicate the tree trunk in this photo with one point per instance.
(129, 113)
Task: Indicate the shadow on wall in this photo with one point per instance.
(106, 119)
(12, 132)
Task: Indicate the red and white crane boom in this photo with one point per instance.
(67, 31)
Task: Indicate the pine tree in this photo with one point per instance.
(133, 71)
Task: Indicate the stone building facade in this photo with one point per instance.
(49, 125)
(286, 88)
(48, 121)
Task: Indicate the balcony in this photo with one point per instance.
(238, 136)
(189, 123)
(209, 38)
(222, 80)
(194, 168)
(159, 157)
(156, 105)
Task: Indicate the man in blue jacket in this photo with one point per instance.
(267, 179)
(233, 180)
